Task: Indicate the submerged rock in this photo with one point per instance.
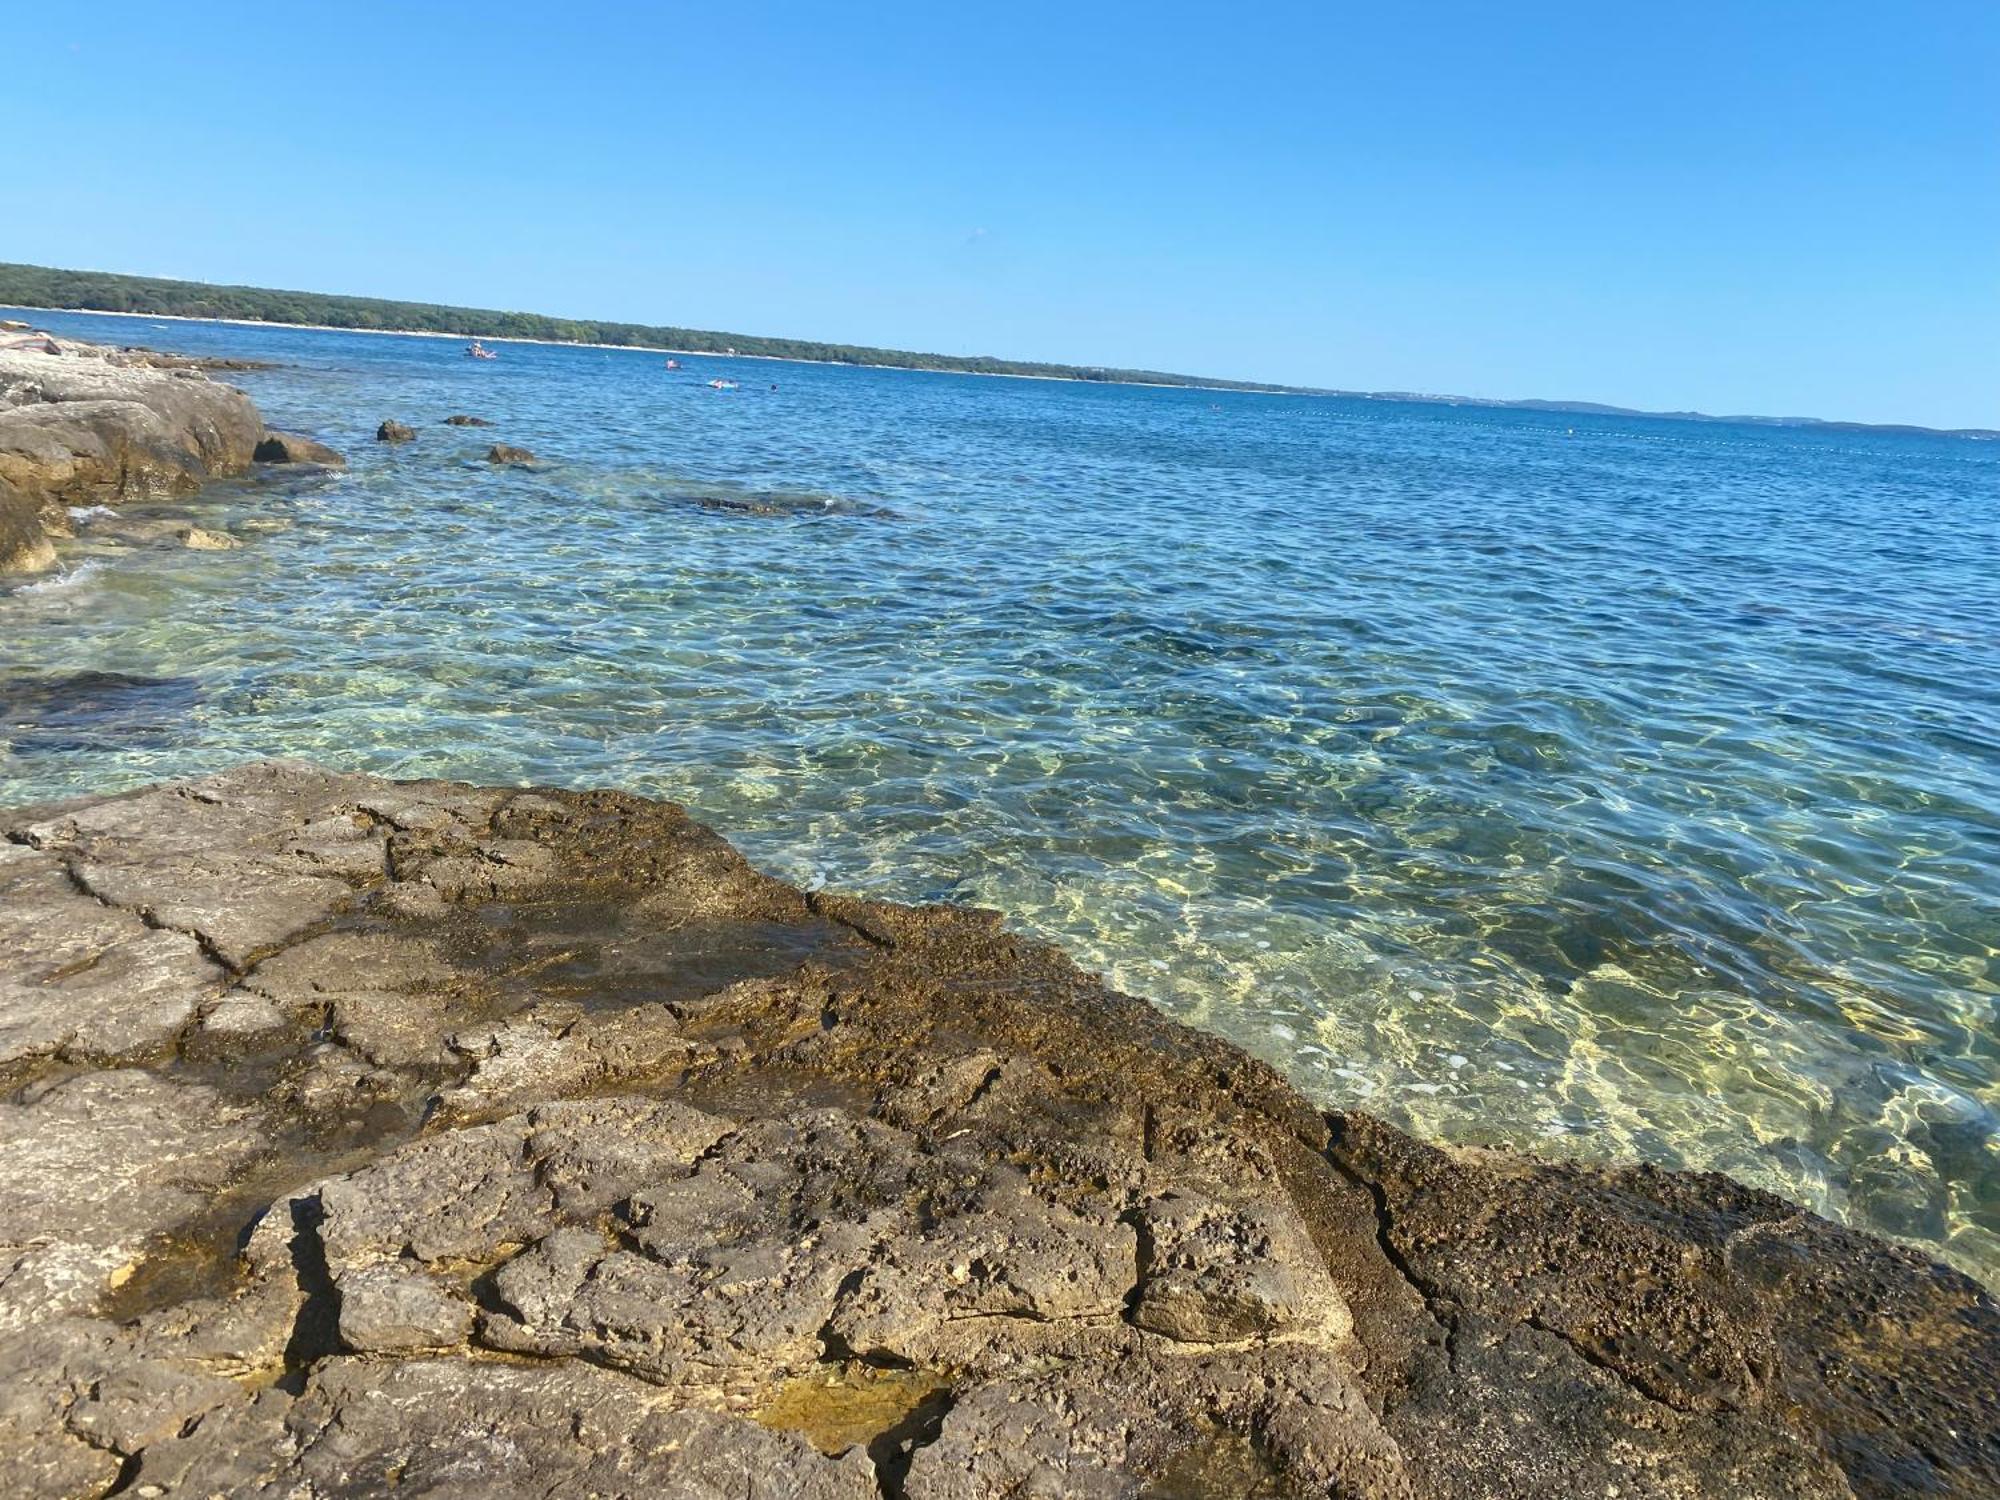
(290, 448)
(525, 1142)
(799, 506)
(92, 712)
(461, 420)
(85, 425)
(395, 432)
(503, 453)
(202, 539)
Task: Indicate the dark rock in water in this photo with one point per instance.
(503, 453)
(88, 712)
(790, 505)
(394, 432)
(743, 505)
(142, 530)
(83, 425)
(290, 448)
(539, 1143)
(461, 420)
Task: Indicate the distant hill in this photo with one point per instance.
(1598, 408)
(107, 291)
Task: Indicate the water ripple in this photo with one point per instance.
(1625, 787)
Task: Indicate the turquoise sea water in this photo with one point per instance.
(1613, 786)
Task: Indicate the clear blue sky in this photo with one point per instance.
(1757, 206)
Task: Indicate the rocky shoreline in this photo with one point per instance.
(86, 425)
(484, 1142)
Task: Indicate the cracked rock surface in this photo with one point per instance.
(420, 1138)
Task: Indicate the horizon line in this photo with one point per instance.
(836, 353)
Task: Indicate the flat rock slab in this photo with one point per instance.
(477, 1141)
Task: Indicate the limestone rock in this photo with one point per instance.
(449, 1427)
(158, 359)
(480, 1141)
(370, 990)
(93, 981)
(1215, 1273)
(85, 425)
(998, 1256)
(290, 448)
(390, 1309)
(223, 869)
(78, 1396)
(171, 426)
(97, 1164)
(24, 543)
(553, 1050)
(1260, 1422)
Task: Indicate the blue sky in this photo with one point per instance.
(1758, 207)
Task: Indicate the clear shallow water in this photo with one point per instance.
(1613, 786)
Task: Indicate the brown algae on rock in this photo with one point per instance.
(853, 1405)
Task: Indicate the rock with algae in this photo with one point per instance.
(450, 1140)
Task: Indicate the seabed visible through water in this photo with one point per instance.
(1615, 786)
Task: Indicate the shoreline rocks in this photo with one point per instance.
(290, 448)
(87, 425)
(517, 1142)
(212, 364)
(24, 542)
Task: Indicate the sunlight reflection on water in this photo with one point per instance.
(1629, 793)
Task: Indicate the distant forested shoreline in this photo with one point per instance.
(106, 291)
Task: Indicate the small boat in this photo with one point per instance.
(477, 350)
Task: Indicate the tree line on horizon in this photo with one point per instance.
(105, 291)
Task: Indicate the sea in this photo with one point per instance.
(1613, 787)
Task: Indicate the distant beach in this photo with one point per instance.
(498, 338)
